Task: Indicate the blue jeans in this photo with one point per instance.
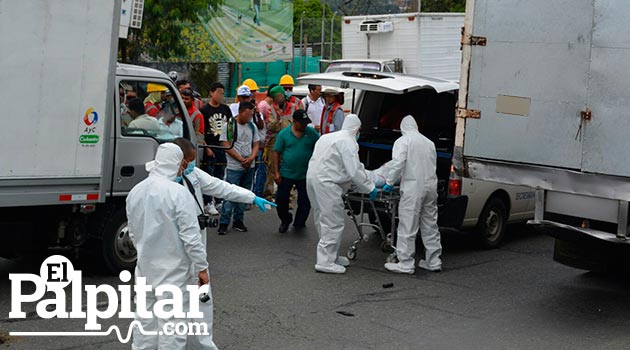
(215, 167)
(261, 175)
(230, 210)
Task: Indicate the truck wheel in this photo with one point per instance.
(492, 223)
(117, 249)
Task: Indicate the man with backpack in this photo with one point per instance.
(240, 163)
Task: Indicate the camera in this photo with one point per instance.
(204, 221)
(204, 298)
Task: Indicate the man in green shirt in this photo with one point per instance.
(292, 151)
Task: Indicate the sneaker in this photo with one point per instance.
(283, 228)
(210, 209)
(423, 265)
(334, 268)
(342, 261)
(222, 229)
(395, 267)
(239, 226)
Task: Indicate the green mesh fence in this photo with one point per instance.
(266, 73)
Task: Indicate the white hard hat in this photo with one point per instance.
(244, 90)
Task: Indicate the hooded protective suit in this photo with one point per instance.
(204, 184)
(333, 167)
(164, 229)
(414, 163)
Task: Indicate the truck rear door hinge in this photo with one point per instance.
(468, 113)
(475, 40)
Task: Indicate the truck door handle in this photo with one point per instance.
(127, 171)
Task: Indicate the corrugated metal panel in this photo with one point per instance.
(606, 136)
(440, 40)
(539, 50)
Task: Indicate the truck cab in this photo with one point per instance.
(87, 214)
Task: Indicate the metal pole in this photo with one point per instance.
(301, 47)
(332, 35)
(323, 33)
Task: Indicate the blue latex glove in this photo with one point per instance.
(388, 188)
(261, 202)
(373, 194)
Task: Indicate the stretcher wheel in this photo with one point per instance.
(349, 213)
(352, 254)
(386, 247)
(214, 222)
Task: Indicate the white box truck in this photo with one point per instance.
(543, 103)
(67, 154)
(414, 43)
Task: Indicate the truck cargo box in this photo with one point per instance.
(57, 82)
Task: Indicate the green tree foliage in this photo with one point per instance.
(311, 10)
(443, 5)
(363, 7)
(375, 7)
(160, 35)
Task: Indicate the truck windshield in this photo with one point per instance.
(354, 67)
(150, 110)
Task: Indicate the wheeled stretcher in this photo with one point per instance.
(360, 209)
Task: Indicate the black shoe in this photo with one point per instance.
(239, 226)
(283, 228)
(222, 229)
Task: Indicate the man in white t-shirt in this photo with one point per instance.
(241, 160)
(314, 104)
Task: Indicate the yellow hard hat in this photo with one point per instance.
(152, 87)
(286, 80)
(251, 84)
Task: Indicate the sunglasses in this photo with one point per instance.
(288, 89)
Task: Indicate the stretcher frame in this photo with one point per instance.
(385, 202)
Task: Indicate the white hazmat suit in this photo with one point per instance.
(204, 184)
(164, 229)
(333, 168)
(414, 163)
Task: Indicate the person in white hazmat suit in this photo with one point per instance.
(414, 163)
(333, 168)
(164, 230)
(204, 184)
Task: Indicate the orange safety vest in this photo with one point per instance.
(297, 102)
(329, 119)
(151, 109)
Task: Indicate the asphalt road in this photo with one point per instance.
(268, 296)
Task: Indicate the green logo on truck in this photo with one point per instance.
(88, 139)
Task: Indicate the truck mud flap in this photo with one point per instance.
(452, 213)
(585, 252)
